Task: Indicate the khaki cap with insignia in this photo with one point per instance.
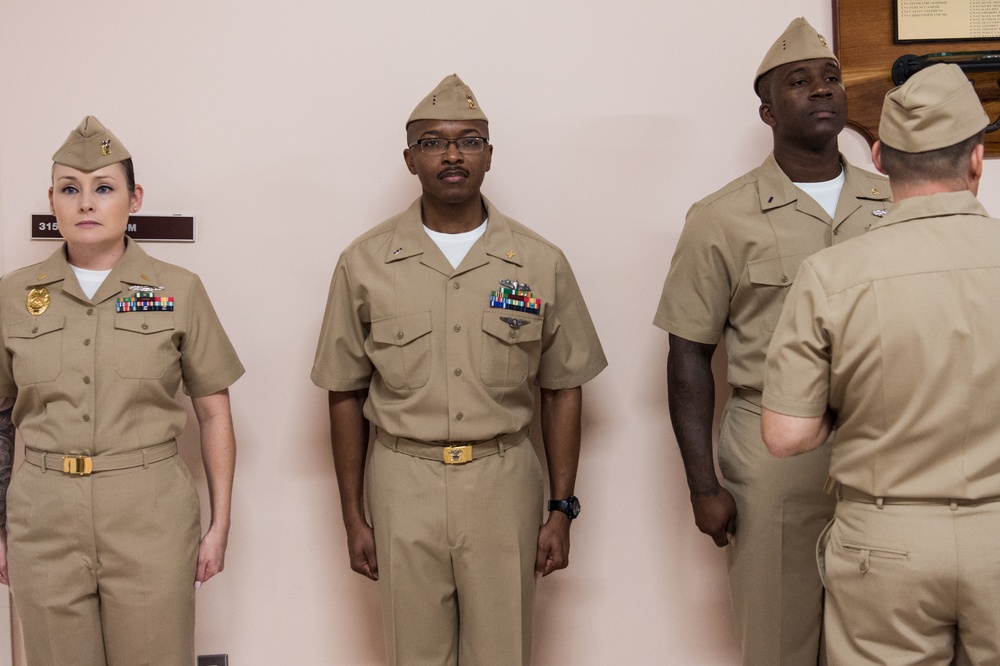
(936, 108)
(90, 146)
(799, 41)
(451, 100)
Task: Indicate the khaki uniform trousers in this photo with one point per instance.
(775, 590)
(456, 549)
(102, 567)
(906, 584)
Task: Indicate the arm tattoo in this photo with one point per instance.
(6, 460)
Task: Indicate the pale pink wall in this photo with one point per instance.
(280, 126)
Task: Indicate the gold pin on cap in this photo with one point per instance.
(38, 301)
(472, 102)
(106, 147)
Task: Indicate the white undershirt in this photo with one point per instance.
(90, 281)
(456, 246)
(826, 194)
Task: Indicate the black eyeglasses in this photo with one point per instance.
(439, 146)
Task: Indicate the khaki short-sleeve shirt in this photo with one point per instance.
(440, 362)
(90, 380)
(739, 252)
(899, 332)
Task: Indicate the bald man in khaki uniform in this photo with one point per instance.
(736, 258)
(103, 524)
(440, 323)
(894, 339)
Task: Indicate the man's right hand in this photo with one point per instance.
(361, 548)
(715, 515)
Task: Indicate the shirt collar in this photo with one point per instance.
(410, 240)
(943, 204)
(134, 267)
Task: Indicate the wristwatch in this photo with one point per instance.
(570, 506)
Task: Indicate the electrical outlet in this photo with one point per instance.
(213, 660)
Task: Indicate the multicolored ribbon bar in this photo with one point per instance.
(512, 299)
(145, 301)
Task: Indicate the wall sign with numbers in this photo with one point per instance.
(166, 228)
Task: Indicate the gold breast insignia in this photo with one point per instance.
(38, 301)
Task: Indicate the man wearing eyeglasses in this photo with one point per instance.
(440, 322)
(735, 261)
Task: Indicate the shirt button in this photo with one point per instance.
(86, 343)
(145, 327)
(86, 380)
(836, 232)
(460, 416)
(456, 285)
(457, 328)
(784, 279)
(86, 417)
(513, 334)
(458, 372)
(34, 330)
(399, 335)
(90, 311)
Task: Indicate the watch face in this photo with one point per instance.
(573, 504)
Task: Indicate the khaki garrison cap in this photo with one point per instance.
(799, 41)
(451, 100)
(90, 146)
(936, 108)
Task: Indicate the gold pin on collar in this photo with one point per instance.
(38, 301)
(511, 254)
(874, 191)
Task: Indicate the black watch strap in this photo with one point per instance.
(570, 506)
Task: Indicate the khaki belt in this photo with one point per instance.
(452, 453)
(852, 495)
(81, 465)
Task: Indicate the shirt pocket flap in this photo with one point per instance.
(36, 328)
(519, 327)
(401, 329)
(137, 323)
(776, 271)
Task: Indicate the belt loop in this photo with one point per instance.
(45, 467)
(145, 461)
(499, 447)
(879, 502)
(954, 505)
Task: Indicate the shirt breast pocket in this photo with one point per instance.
(401, 349)
(144, 345)
(37, 349)
(771, 279)
(511, 349)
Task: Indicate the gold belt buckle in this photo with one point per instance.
(79, 465)
(456, 455)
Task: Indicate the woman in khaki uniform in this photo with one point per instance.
(103, 538)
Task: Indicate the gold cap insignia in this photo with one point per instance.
(38, 301)
(106, 147)
(822, 42)
(472, 102)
